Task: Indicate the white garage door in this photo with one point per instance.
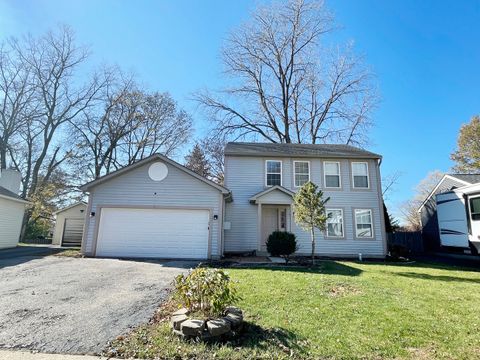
(153, 233)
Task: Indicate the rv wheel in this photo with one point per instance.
(473, 249)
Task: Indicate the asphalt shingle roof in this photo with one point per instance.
(470, 178)
(9, 193)
(298, 150)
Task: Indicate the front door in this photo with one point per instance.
(274, 218)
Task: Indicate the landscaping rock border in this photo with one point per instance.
(227, 325)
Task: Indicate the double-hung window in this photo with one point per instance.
(273, 172)
(335, 223)
(360, 175)
(363, 223)
(301, 172)
(332, 174)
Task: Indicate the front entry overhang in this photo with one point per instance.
(273, 195)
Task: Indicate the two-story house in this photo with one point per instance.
(157, 208)
(264, 177)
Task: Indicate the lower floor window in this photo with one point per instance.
(363, 223)
(335, 222)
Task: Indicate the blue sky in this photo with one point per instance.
(425, 54)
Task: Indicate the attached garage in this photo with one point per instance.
(155, 208)
(69, 224)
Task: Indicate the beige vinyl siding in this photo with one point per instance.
(135, 188)
(72, 213)
(244, 176)
(11, 217)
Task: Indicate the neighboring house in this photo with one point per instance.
(12, 208)
(158, 208)
(69, 224)
(428, 209)
(264, 177)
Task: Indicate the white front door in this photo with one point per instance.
(274, 218)
(153, 233)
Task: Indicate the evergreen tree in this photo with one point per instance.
(197, 161)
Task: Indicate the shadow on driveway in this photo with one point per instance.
(22, 254)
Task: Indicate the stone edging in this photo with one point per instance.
(230, 323)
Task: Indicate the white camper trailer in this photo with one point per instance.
(458, 213)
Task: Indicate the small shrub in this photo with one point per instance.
(208, 291)
(282, 243)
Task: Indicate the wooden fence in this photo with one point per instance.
(412, 241)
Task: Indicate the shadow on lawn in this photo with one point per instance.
(328, 267)
(421, 276)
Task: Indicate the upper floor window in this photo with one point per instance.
(360, 175)
(301, 172)
(363, 223)
(332, 174)
(335, 223)
(274, 172)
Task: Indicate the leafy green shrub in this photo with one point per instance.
(282, 243)
(209, 291)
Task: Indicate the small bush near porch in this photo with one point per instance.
(337, 310)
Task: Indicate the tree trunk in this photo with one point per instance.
(313, 245)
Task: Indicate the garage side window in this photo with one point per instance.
(273, 172)
(475, 208)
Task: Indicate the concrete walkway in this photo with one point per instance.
(23, 355)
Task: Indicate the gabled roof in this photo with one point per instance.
(70, 206)
(10, 195)
(464, 179)
(298, 150)
(255, 197)
(470, 178)
(146, 160)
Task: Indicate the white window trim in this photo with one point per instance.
(339, 175)
(281, 172)
(343, 224)
(368, 174)
(295, 173)
(356, 229)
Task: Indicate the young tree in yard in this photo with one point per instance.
(197, 162)
(309, 211)
(286, 86)
(467, 155)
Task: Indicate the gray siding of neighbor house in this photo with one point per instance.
(245, 177)
(135, 189)
(428, 214)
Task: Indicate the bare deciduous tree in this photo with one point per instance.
(16, 93)
(286, 86)
(127, 125)
(214, 149)
(409, 208)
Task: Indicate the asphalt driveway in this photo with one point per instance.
(72, 305)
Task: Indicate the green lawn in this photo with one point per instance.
(340, 310)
